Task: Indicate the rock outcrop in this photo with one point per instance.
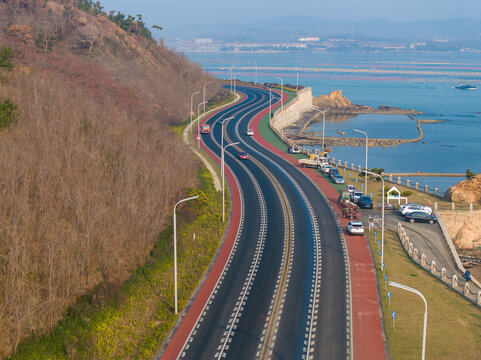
(468, 191)
(463, 228)
(337, 103)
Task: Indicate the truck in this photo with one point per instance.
(314, 161)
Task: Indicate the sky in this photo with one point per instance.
(173, 14)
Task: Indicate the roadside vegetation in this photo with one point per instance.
(453, 329)
(90, 173)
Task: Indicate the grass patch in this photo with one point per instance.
(131, 320)
(454, 323)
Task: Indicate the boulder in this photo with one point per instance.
(468, 191)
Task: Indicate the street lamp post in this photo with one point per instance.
(207, 83)
(234, 79)
(222, 142)
(407, 288)
(382, 215)
(282, 93)
(191, 105)
(297, 82)
(231, 77)
(175, 248)
(270, 104)
(365, 174)
(198, 124)
(255, 79)
(323, 112)
(223, 172)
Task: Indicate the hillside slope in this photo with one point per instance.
(89, 167)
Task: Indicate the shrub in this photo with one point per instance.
(406, 193)
(6, 57)
(8, 112)
(469, 174)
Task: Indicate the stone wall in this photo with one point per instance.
(463, 228)
(292, 111)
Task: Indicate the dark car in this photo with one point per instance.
(420, 216)
(333, 172)
(365, 202)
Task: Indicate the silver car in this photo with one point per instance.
(355, 228)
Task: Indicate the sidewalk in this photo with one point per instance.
(367, 330)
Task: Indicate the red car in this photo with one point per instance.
(243, 155)
(205, 129)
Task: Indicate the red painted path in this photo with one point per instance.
(368, 336)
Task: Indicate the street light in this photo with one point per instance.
(282, 93)
(255, 81)
(365, 175)
(404, 287)
(222, 142)
(297, 83)
(191, 105)
(175, 247)
(231, 78)
(223, 186)
(323, 112)
(207, 83)
(382, 216)
(234, 79)
(270, 103)
(198, 123)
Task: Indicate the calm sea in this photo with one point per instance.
(424, 82)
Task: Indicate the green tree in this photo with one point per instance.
(6, 57)
(469, 174)
(8, 113)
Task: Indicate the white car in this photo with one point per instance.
(356, 195)
(250, 132)
(355, 228)
(351, 189)
(409, 208)
(326, 169)
(294, 149)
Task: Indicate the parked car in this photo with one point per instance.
(205, 129)
(355, 228)
(356, 195)
(250, 132)
(294, 149)
(326, 169)
(333, 172)
(338, 179)
(420, 216)
(365, 202)
(243, 155)
(350, 188)
(409, 208)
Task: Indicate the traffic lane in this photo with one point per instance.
(333, 258)
(216, 319)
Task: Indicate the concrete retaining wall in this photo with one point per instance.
(292, 112)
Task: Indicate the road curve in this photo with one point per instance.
(282, 291)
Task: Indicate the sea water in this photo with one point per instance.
(424, 82)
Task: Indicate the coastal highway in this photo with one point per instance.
(283, 293)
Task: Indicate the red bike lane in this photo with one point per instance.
(367, 330)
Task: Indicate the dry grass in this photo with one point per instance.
(454, 323)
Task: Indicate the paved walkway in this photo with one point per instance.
(367, 330)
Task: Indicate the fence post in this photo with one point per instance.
(359, 168)
(426, 188)
(470, 206)
(433, 267)
(453, 206)
(443, 274)
(339, 163)
(435, 206)
(454, 281)
(415, 254)
(478, 300)
(411, 249)
(333, 160)
(423, 260)
(416, 186)
(408, 183)
(352, 166)
(399, 180)
(466, 289)
(390, 178)
(345, 164)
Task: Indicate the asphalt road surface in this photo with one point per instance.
(282, 294)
